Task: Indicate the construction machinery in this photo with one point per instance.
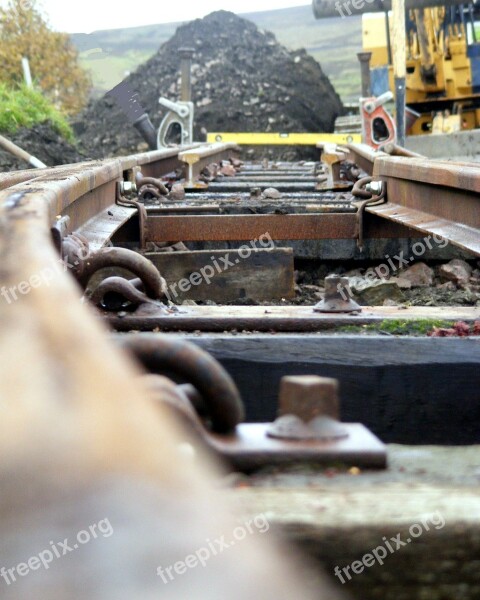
(442, 59)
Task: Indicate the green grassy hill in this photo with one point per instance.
(110, 55)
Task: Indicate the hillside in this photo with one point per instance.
(110, 55)
(243, 80)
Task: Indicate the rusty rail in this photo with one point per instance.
(436, 197)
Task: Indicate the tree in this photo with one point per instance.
(53, 58)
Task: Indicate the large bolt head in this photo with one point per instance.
(309, 396)
(337, 296)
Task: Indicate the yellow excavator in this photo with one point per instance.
(442, 69)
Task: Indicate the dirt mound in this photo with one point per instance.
(243, 80)
(44, 142)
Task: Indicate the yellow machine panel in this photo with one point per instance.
(443, 65)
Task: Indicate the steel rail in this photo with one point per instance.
(436, 197)
(364, 156)
(440, 198)
(86, 192)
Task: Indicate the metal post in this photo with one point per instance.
(364, 58)
(389, 41)
(186, 54)
(399, 67)
(9, 146)
(26, 72)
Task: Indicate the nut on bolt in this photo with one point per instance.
(128, 187)
(337, 297)
(375, 187)
(308, 410)
(308, 396)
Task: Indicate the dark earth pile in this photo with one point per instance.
(44, 142)
(243, 80)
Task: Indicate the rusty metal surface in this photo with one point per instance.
(277, 318)
(244, 186)
(308, 396)
(196, 159)
(363, 156)
(435, 197)
(336, 298)
(250, 448)
(140, 208)
(122, 258)
(461, 176)
(10, 179)
(272, 178)
(248, 227)
(86, 191)
(460, 235)
(395, 150)
(308, 410)
(117, 294)
(220, 394)
(79, 430)
(149, 187)
(100, 228)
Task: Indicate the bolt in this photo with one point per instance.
(309, 396)
(337, 297)
(186, 55)
(364, 58)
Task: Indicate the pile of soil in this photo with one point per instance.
(243, 80)
(45, 143)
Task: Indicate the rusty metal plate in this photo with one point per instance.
(249, 227)
(250, 448)
(99, 229)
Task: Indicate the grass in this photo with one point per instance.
(107, 70)
(399, 327)
(25, 107)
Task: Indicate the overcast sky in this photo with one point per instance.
(75, 16)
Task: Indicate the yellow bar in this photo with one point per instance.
(285, 139)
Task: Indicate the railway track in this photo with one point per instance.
(244, 230)
(76, 230)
